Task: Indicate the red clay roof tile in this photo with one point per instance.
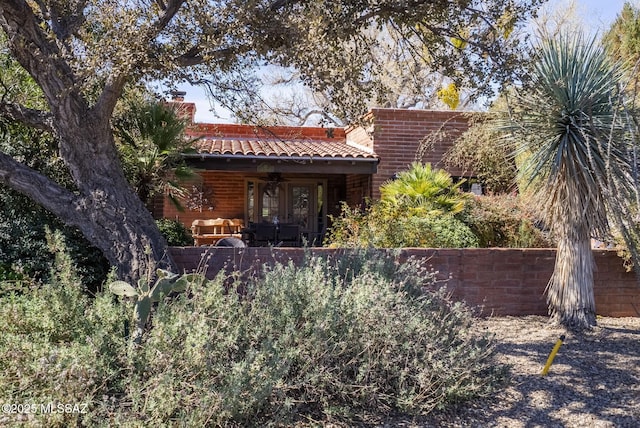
(280, 148)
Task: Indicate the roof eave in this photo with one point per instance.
(282, 158)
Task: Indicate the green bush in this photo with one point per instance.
(344, 340)
(380, 228)
(176, 233)
(430, 231)
(60, 347)
(504, 221)
(419, 208)
(349, 229)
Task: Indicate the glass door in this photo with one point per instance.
(301, 200)
(298, 202)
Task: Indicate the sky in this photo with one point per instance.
(596, 15)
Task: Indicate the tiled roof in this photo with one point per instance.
(281, 148)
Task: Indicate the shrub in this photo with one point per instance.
(482, 149)
(381, 228)
(416, 209)
(430, 231)
(346, 340)
(505, 221)
(59, 347)
(331, 340)
(176, 233)
(349, 229)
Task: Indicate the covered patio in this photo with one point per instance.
(271, 186)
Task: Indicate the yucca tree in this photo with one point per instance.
(570, 123)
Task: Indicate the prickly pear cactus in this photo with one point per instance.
(166, 283)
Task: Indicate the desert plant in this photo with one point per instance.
(347, 338)
(60, 347)
(428, 231)
(166, 282)
(349, 229)
(505, 221)
(417, 209)
(570, 122)
(152, 141)
(336, 339)
(422, 190)
(480, 151)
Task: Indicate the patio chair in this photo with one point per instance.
(265, 234)
(289, 235)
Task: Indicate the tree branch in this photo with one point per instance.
(27, 116)
(36, 53)
(170, 9)
(42, 190)
(110, 95)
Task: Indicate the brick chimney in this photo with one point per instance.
(178, 96)
(185, 110)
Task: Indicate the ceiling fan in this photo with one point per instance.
(273, 181)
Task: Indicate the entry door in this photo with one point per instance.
(301, 203)
(306, 207)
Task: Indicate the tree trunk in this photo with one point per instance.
(104, 207)
(113, 217)
(570, 289)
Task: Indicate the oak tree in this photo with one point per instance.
(82, 53)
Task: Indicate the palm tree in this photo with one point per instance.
(153, 140)
(570, 123)
(423, 190)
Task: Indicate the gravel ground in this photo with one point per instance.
(594, 380)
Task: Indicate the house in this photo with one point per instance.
(301, 175)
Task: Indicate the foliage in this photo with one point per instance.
(450, 96)
(571, 124)
(422, 190)
(175, 232)
(346, 339)
(349, 229)
(430, 231)
(417, 209)
(481, 151)
(146, 295)
(375, 227)
(23, 223)
(392, 57)
(622, 42)
(59, 346)
(7, 273)
(505, 221)
(151, 136)
(310, 342)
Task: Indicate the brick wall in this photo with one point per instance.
(501, 281)
(397, 134)
(227, 189)
(358, 187)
